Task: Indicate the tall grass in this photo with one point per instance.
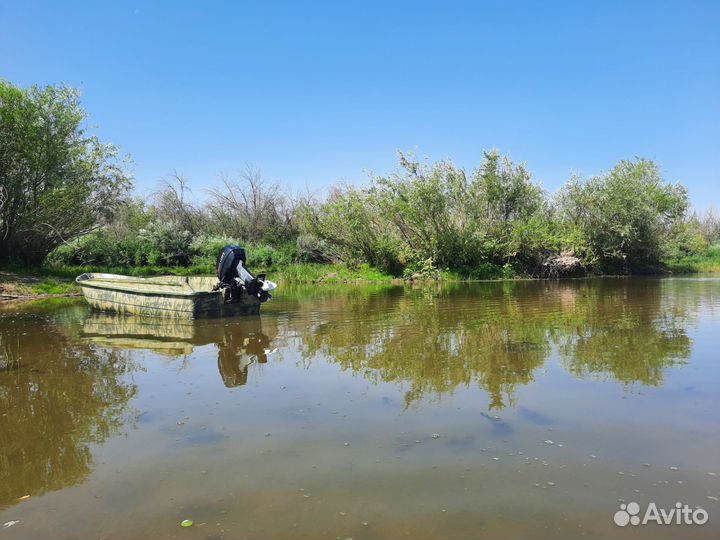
(709, 262)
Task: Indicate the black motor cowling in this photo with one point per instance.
(230, 257)
(236, 279)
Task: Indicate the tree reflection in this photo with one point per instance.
(496, 335)
(60, 393)
(627, 334)
(57, 396)
(427, 339)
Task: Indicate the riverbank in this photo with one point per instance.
(18, 282)
(31, 283)
(696, 264)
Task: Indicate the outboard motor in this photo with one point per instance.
(237, 280)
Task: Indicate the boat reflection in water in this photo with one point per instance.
(240, 342)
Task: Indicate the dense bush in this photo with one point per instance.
(497, 221)
(685, 239)
(162, 245)
(418, 223)
(56, 181)
(494, 220)
(626, 216)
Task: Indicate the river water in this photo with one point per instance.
(528, 409)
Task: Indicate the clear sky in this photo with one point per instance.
(319, 92)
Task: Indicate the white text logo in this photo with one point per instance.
(681, 514)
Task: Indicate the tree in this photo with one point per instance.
(171, 204)
(504, 192)
(511, 210)
(57, 181)
(626, 215)
(252, 208)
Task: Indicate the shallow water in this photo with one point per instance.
(486, 410)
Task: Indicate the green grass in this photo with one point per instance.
(55, 286)
(291, 273)
(58, 280)
(326, 273)
(19, 282)
(710, 262)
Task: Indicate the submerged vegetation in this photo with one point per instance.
(66, 204)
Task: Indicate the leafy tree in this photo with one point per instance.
(626, 215)
(57, 181)
(252, 208)
(504, 192)
(710, 226)
(510, 208)
(425, 207)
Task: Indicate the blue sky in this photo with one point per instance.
(315, 93)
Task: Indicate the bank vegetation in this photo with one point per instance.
(66, 203)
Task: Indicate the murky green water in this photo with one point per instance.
(499, 410)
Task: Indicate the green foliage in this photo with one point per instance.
(625, 216)
(435, 213)
(329, 273)
(56, 181)
(266, 256)
(685, 239)
(166, 243)
(311, 249)
(498, 223)
(428, 220)
(425, 269)
(351, 227)
(55, 286)
(163, 246)
(504, 199)
(707, 261)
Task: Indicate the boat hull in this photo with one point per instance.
(170, 296)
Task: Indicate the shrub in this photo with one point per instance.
(56, 182)
(206, 249)
(433, 212)
(312, 250)
(685, 239)
(625, 215)
(166, 244)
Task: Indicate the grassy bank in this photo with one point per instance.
(710, 262)
(23, 281)
(32, 283)
(290, 273)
